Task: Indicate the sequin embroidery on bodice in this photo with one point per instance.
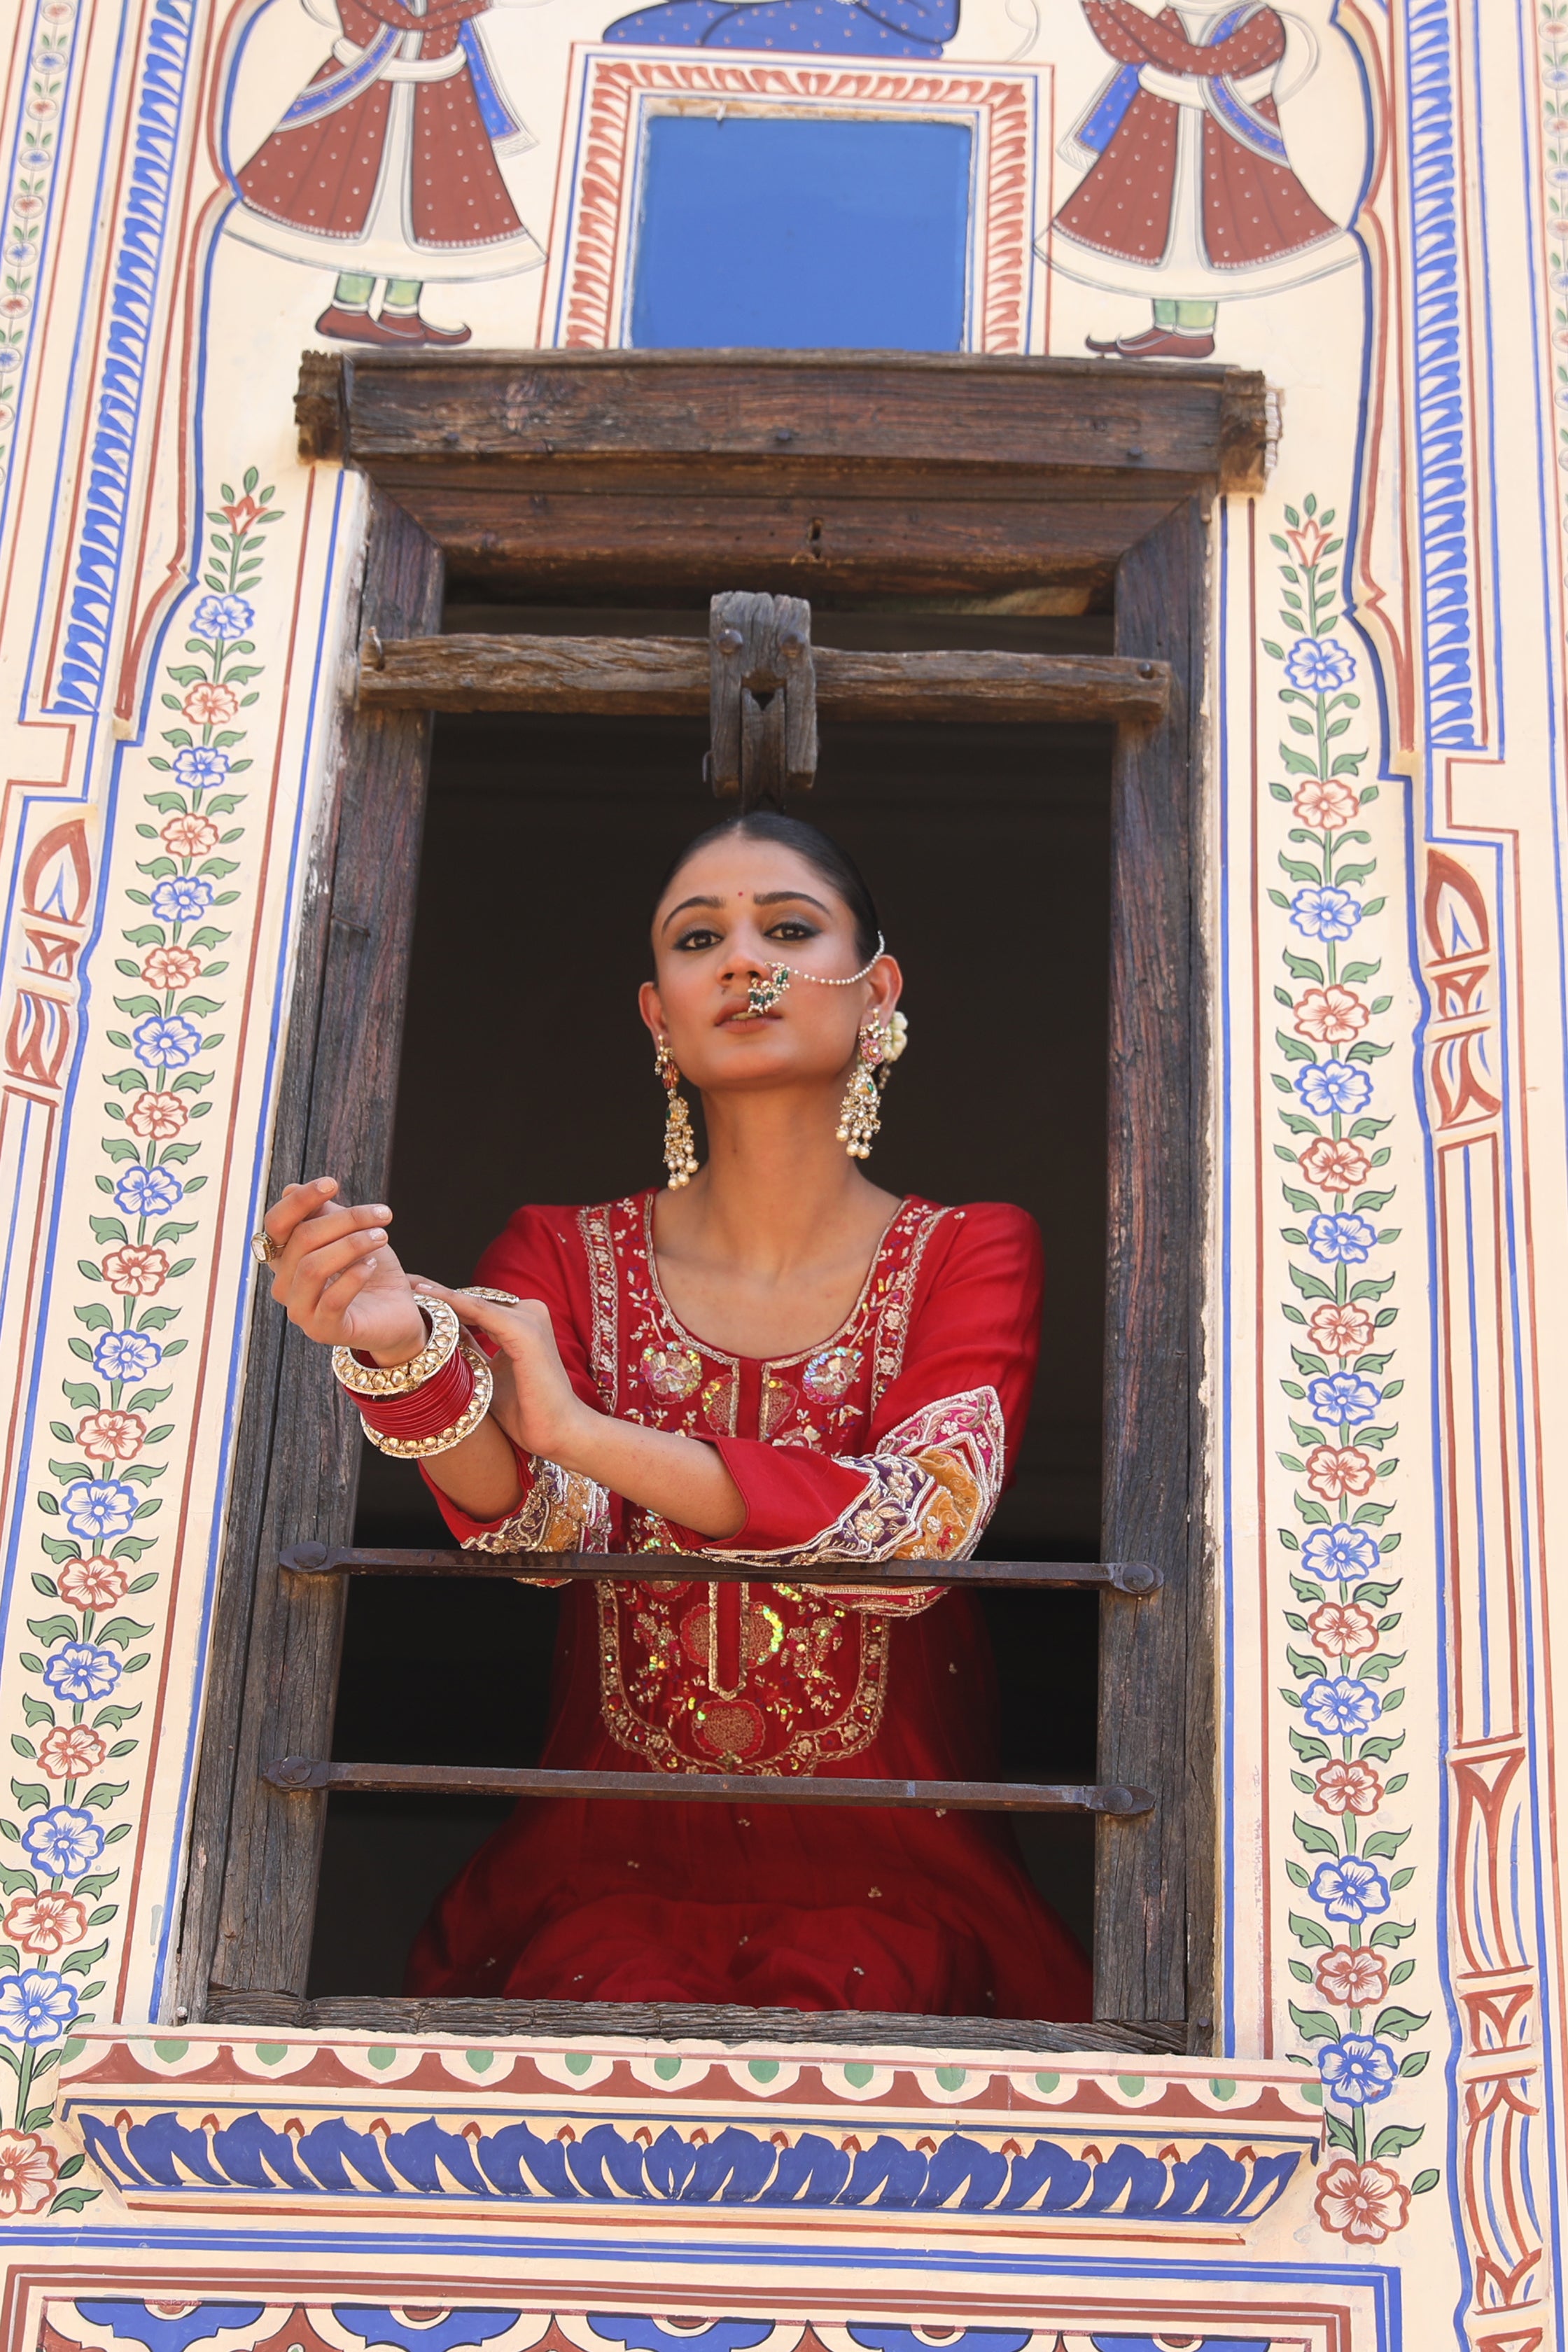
(739, 1677)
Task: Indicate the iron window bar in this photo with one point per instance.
(301, 1774)
(1134, 1578)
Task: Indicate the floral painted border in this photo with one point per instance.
(28, 201)
(83, 1673)
(1337, 1566)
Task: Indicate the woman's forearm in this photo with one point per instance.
(480, 1475)
(681, 1478)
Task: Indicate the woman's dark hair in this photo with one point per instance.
(819, 851)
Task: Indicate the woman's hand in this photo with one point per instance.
(337, 1279)
(534, 1402)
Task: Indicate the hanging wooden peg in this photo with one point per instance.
(763, 697)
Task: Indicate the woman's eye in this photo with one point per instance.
(697, 939)
(792, 929)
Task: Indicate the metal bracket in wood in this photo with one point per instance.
(762, 697)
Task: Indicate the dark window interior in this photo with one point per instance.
(526, 1075)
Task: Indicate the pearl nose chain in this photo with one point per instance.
(762, 995)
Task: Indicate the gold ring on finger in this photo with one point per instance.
(264, 1249)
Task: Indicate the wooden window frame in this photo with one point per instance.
(549, 475)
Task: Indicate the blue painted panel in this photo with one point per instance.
(801, 235)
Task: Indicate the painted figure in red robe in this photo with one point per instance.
(1190, 197)
(772, 1362)
(384, 167)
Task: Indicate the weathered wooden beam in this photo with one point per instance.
(400, 2017)
(667, 677)
(645, 1567)
(538, 407)
(311, 1772)
(762, 684)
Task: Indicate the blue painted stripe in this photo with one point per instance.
(132, 302)
(1444, 491)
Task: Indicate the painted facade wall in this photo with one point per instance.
(1374, 2158)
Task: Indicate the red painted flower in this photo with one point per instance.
(1352, 1980)
(171, 967)
(1363, 2202)
(190, 836)
(242, 513)
(69, 1750)
(29, 2171)
(111, 1436)
(1325, 807)
(210, 705)
(1332, 1016)
(45, 1923)
(1336, 1470)
(1347, 1789)
(95, 1584)
(136, 1270)
(1309, 539)
(157, 1117)
(1331, 1167)
(1342, 1629)
(1340, 1331)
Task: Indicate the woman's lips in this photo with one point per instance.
(744, 1017)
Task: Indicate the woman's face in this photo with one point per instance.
(735, 908)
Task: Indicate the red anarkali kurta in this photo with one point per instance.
(889, 1441)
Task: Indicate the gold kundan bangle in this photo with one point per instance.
(397, 1379)
(412, 1449)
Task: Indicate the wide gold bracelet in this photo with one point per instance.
(413, 1449)
(397, 1379)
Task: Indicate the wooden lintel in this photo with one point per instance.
(528, 408)
(667, 677)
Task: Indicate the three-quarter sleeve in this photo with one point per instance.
(941, 1431)
(537, 1256)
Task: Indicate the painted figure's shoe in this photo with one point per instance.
(408, 328)
(352, 326)
(1155, 343)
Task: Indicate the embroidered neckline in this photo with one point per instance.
(910, 1204)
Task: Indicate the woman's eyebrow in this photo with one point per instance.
(778, 897)
(715, 903)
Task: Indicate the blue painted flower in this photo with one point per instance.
(1358, 2070)
(64, 1842)
(96, 1508)
(182, 898)
(200, 767)
(1342, 1396)
(80, 1672)
(148, 1191)
(1349, 1889)
(163, 1042)
(10, 357)
(1327, 1087)
(36, 2006)
(1341, 1554)
(1319, 664)
(1342, 1706)
(125, 1355)
(223, 616)
(1340, 1240)
(1323, 914)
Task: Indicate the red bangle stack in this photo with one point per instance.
(424, 1412)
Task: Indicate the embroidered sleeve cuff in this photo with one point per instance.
(926, 1493)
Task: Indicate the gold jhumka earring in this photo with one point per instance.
(877, 1048)
(680, 1143)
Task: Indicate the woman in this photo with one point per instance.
(772, 1360)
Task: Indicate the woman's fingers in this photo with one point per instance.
(312, 1233)
(320, 1267)
(294, 1204)
(504, 1323)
